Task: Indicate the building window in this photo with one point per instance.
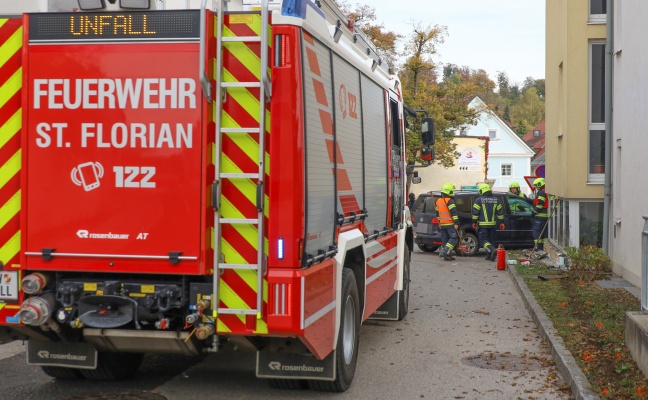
(597, 113)
(597, 11)
(590, 226)
(536, 133)
(506, 169)
(492, 134)
(463, 132)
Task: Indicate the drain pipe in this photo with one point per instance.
(607, 195)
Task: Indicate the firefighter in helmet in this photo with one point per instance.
(540, 205)
(448, 221)
(486, 212)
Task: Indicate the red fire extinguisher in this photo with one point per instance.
(501, 258)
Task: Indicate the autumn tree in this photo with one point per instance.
(385, 41)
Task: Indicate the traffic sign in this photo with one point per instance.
(529, 180)
(540, 171)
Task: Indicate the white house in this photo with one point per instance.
(508, 157)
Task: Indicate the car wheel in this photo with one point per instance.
(427, 249)
(470, 242)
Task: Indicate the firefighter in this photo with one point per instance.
(514, 188)
(410, 202)
(486, 211)
(540, 205)
(448, 221)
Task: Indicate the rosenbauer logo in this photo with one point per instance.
(276, 366)
(84, 234)
(53, 356)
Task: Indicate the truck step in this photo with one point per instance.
(238, 266)
(252, 221)
(239, 175)
(237, 39)
(240, 130)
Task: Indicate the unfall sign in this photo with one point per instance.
(113, 149)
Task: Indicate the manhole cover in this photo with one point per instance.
(119, 396)
(504, 362)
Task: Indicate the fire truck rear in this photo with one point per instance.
(176, 179)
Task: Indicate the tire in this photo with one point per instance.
(427, 249)
(403, 295)
(470, 241)
(348, 338)
(114, 366)
(62, 372)
(288, 384)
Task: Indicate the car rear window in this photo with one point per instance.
(463, 203)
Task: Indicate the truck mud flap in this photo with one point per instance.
(60, 354)
(271, 364)
(389, 309)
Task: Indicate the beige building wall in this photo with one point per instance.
(469, 168)
(8, 7)
(568, 35)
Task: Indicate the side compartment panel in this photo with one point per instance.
(375, 145)
(320, 142)
(348, 138)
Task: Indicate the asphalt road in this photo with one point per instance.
(467, 336)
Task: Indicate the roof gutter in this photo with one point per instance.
(607, 196)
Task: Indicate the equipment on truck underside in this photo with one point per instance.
(184, 177)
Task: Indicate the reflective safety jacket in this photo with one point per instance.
(540, 203)
(446, 211)
(487, 211)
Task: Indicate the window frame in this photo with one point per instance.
(596, 18)
(496, 133)
(510, 167)
(594, 127)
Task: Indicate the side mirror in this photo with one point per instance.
(415, 178)
(427, 131)
(427, 153)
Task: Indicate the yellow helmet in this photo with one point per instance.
(514, 185)
(448, 189)
(484, 187)
(539, 182)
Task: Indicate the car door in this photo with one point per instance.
(520, 225)
(503, 236)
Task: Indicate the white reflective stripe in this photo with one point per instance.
(375, 276)
(383, 258)
(319, 314)
(301, 300)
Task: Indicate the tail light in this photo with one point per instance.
(435, 221)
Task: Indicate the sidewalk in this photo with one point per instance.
(570, 371)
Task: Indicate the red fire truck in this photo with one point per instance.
(175, 179)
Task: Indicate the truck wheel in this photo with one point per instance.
(62, 372)
(114, 366)
(403, 295)
(288, 384)
(347, 345)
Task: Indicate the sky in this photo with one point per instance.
(494, 35)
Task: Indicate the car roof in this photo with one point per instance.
(460, 193)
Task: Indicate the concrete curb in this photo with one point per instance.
(570, 371)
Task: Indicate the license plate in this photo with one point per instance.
(8, 285)
(421, 227)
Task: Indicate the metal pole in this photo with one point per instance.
(644, 265)
(607, 187)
